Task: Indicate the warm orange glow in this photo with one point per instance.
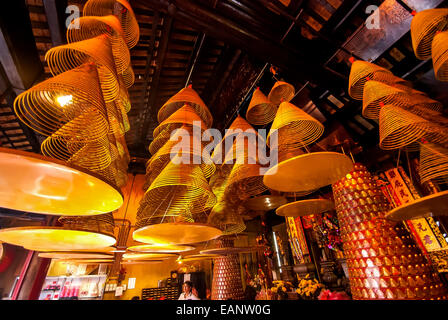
(148, 256)
(153, 248)
(176, 233)
(305, 207)
(308, 171)
(74, 255)
(33, 183)
(55, 238)
(64, 100)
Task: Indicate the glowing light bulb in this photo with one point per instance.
(64, 100)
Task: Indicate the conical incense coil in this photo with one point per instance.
(377, 94)
(98, 50)
(433, 163)
(103, 223)
(239, 130)
(179, 187)
(226, 218)
(281, 91)
(188, 147)
(123, 96)
(424, 27)
(245, 180)
(128, 77)
(88, 27)
(116, 123)
(182, 116)
(95, 155)
(66, 98)
(186, 96)
(360, 73)
(122, 10)
(87, 127)
(245, 149)
(383, 261)
(145, 216)
(261, 111)
(295, 128)
(159, 141)
(440, 56)
(399, 128)
(227, 283)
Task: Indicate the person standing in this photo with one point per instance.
(188, 293)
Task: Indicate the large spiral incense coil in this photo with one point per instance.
(295, 128)
(424, 27)
(261, 111)
(238, 130)
(245, 181)
(98, 50)
(123, 96)
(122, 10)
(399, 128)
(226, 218)
(377, 94)
(88, 27)
(103, 223)
(433, 163)
(185, 96)
(159, 141)
(187, 147)
(281, 91)
(183, 116)
(440, 56)
(177, 189)
(95, 155)
(128, 77)
(65, 102)
(360, 73)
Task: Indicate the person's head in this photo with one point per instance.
(135, 298)
(188, 285)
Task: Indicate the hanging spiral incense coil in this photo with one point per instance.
(295, 128)
(226, 218)
(123, 96)
(95, 155)
(281, 91)
(103, 223)
(88, 27)
(70, 56)
(159, 141)
(128, 77)
(261, 111)
(177, 189)
(185, 96)
(245, 181)
(433, 163)
(440, 56)
(64, 102)
(238, 130)
(399, 128)
(187, 147)
(424, 27)
(183, 116)
(377, 94)
(122, 10)
(360, 73)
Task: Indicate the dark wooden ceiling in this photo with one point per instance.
(225, 48)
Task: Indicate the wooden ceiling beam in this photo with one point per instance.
(161, 54)
(299, 63)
